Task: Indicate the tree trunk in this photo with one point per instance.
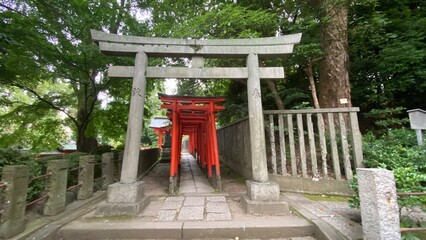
(85, 144)
(334, 86)
(272, 87)
(310, 74)
(87, 99)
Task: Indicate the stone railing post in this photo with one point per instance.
(86, 177)
(379, 206)
(56, 187)
(12, 220)
(107, 169)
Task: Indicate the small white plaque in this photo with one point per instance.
(343, 101)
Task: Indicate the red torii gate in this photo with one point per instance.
(160, 125)
(195, 117)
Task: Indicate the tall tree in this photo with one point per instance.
(47, 42)
(334, 86)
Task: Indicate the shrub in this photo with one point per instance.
(17, 157)
(397, 150)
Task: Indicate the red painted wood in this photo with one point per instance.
(195, 117)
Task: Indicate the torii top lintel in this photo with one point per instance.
(123, 45)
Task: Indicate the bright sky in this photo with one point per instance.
(171, 86)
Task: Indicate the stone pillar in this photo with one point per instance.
(107, 169)
(127, 196)
(56, 187)
(12, 220)
(129, 171)
(257, 132)
(262, 195)
(166, 148)
(379, 206)
(86, 177)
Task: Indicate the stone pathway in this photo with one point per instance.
(197, 204)
(210, 208)
(192, 179)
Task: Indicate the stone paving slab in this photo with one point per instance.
(166, 215)
(191, 213)
(216, 199)
(217, 207)
(194, 201)
(171, 205)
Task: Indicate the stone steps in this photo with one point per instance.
(284, 227)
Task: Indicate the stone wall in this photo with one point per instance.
(147, 158)
(234, 147)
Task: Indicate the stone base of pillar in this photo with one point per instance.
(264, 199)
(124, 199)
(173, 185)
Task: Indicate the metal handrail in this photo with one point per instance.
(75, 186)
(40, 177)
(74, 169)
(37, 200)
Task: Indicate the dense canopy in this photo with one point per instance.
(54, 86)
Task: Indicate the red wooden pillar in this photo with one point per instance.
(175, 142)
(214, 139)
(160, 139)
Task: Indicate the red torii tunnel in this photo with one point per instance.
(195, 117)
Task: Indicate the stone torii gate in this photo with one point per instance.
(127, 196)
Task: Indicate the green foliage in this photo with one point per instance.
(17, 157)
(387, 42)
(50, 66)
(388, 117)
(397, 150)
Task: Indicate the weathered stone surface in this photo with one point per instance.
(258, 191)
(191, 213)
(86, 176)
(116, 209)
(12, 220)
(107, 169)
(172, 205)
(196, 73)
(379, 206)
(217, 207)
(194, 201)
(167, 215)
(257, 132)
(125, 193)
(264, 207)
(56, 186)
(130, 167)
(216, 199)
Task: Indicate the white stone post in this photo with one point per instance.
(257, 133)
(129, 170)
(379, 206)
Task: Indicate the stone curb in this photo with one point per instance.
(46, 227)
(322, 229)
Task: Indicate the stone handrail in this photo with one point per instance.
(15, 180)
